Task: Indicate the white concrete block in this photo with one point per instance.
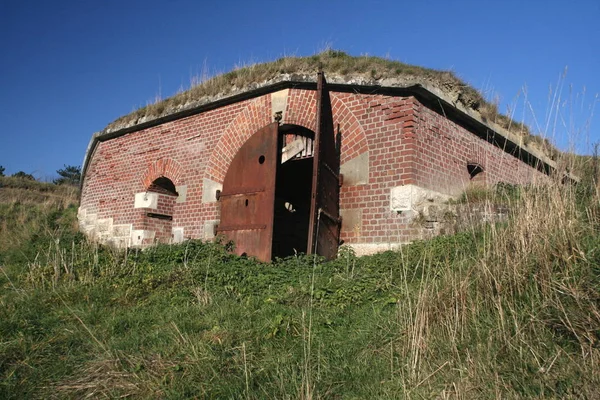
(356, 171)
(177, 234)
(209, 190)
(182, 191)
(412, 197)
(401, 198)
(138, 235)
(122, 230)
(104, 225)
(209, 229)
(146, 200)
(279, 102)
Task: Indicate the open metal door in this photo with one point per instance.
(248, 197)
(324, 228)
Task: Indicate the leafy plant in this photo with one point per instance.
(23, 175)
(69, 175)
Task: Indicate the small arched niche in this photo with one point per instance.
(476, 173)
(163, 185)
(160, 219)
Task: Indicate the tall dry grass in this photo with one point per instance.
(527, 301)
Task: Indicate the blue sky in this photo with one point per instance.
(69, 68)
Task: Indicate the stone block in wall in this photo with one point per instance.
(413, 197)
(279, 102)
(351, 220)
(363, 249)
(118, 242)
(209, 190)
(209, 229)
(182, 192)
(104, 225)
(177, 233)
(146, 200)
(122, 230)
(356, 171)
(140, 236)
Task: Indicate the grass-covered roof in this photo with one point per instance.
(339, 67)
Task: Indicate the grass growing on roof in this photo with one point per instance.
(334, 63)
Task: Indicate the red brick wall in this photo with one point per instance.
(443, 150)
(406, 141)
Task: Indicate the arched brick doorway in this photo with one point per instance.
(281, 190)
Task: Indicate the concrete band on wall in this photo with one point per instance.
(404, 151)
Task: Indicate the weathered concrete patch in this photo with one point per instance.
(209, 190)
(209, 229)
(177, 233)
(363, 249)
(412, 197)
(182, 191)
(351, 220)
(356, 171)
(122, 230)
(146, 200)
(138, 236)
(104, 225)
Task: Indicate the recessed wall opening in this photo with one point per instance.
(293, 191)
(163, 185)
(160, 220)
(476, 173)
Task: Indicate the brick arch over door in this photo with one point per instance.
(256, 115)
(163, 167)
(300, 110)
(354, 140)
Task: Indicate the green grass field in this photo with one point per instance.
(501, 311)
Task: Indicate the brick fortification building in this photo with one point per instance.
(294, 163)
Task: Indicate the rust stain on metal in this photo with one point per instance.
(248, 196)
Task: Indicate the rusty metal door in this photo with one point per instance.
(324, 229)
(248, 197)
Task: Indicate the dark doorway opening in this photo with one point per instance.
(293, 191)
(281, 191)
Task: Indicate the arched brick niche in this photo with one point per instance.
(157, 203)
(163, 168)
(476, 168)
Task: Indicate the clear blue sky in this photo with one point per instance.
(68, 68)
